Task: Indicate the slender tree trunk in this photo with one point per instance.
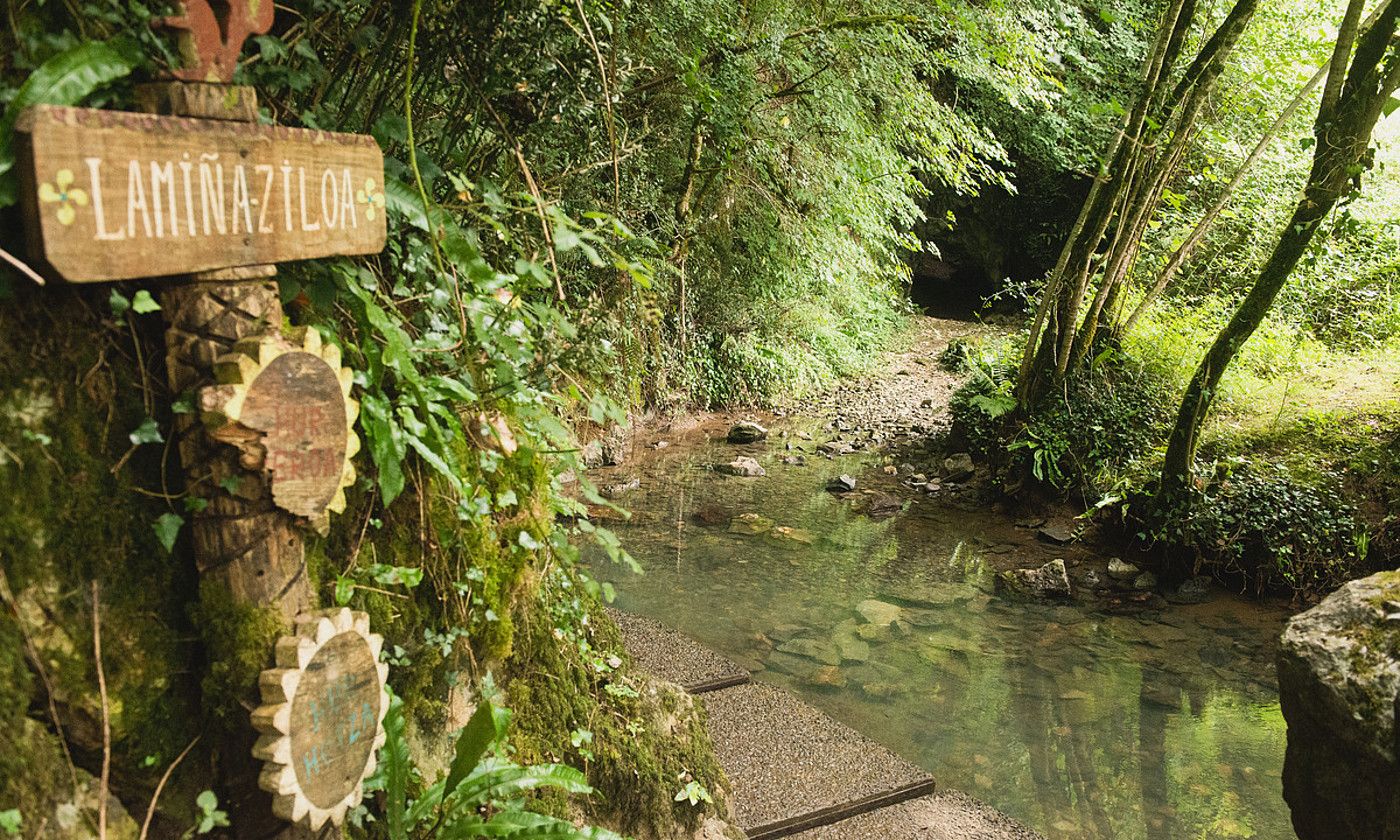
(1183, 253)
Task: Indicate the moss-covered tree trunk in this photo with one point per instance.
(1343, 129)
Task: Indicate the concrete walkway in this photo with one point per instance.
(795, 771)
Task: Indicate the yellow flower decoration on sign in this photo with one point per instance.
(371, 197)
(65, 194)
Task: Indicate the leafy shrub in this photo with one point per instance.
(1109, 413)
(956, 357)
(1273, 527)
(484, 794)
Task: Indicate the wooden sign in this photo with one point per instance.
(285, 403)
(112, 195)
(322, 717)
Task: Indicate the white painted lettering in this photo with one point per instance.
(94, 166)
(240, 199)
(136, 198)
(301, 188)
(163, 175)
(185, 169)
(211, 194)
(287, 195)
(330, 211)
(264, 169)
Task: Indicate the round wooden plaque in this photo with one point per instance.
(322, 717)
(286, 404)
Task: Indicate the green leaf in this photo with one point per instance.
(11, 821)
(143, 303)
(147, 432)
(487, 726)
(119, 303)
(397, 769)
(167, 528)
(1390, 105)
(65, 79)
(344, 588)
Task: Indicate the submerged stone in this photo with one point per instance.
(823, 652)
(879, 613)
(1048, 581)
(742, 466)
(749, 524)
(958, 467)
(746, 431)
(1121, 570)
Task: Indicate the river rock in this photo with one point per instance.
(711, 514)
(742, 466)
(1339, 677)
(612, 491)
(879, 613)
(1121, 570)
(875, 633)
(828, 677)
(883, 505)
(795, 461)
(852, 649)
(1048, 581)
(795, 536)
(882, 690)
(916, 593)
(823, 652)
(958, 467)
(592, 454)
(841, 484)
(1145, 582)
(749, 524)
(1056, 533)
(746, 431)
(1197, 590)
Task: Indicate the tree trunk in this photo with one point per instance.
(1343, 132)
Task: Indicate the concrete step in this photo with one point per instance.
(675, 657)
(793, 768)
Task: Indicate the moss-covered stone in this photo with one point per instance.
(648, 738)
(83, 502)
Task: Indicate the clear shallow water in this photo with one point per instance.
(1081, 724)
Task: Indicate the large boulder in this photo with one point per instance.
(1339, 677)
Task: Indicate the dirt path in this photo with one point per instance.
(906, 392)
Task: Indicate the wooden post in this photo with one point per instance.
(242, 541)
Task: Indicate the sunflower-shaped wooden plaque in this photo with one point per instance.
(322, 717)
(285, 403)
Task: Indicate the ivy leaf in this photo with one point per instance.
(147, 432)
(167, 528)
(196, 504)
(143, 303)
(119, 303)
(344, 588)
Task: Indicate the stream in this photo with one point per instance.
(1082, 720)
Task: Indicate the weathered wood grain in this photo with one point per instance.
(112, 195)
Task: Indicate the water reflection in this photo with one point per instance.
(1083, 725)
